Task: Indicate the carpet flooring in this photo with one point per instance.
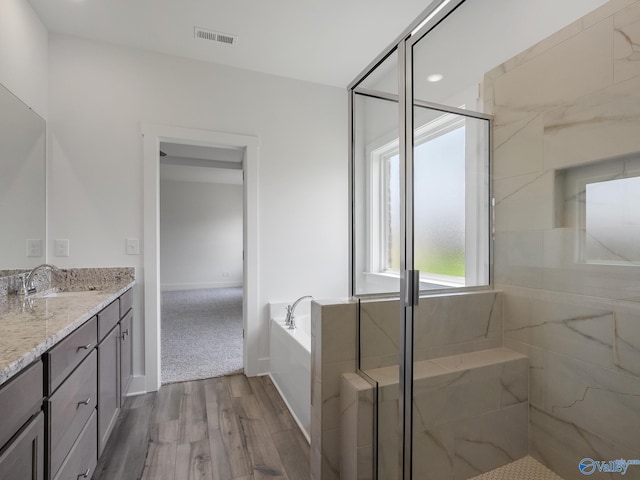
(201, 334)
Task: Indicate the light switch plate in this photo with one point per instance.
(61, 247)
(133, 246)
(34, 247)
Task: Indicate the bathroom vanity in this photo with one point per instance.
(65, 367)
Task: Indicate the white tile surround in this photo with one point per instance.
(570, 100)
(470, 416)
(442, 327)
(468, 387)
(333, 352)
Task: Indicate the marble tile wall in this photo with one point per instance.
(445, 325)
(568, 101)
(470, 416)
(333, 352)
(357, 425)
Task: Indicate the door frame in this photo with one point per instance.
(153, 134)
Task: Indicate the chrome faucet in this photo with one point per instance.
(27, 281)
(290, 321)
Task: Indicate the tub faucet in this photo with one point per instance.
(27, 281)
(290, 321)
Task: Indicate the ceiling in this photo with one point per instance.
(322, 41)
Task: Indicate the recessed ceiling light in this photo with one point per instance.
(435, 77)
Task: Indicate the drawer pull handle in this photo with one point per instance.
(85, 402)
(85, 474)
(84, 347)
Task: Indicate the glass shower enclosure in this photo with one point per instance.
(421, 215)
(509, 123)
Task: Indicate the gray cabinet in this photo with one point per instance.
(115, 366)
(69, 409)
(22, 436)
(62, 359)
(23, 458)
(108, 318)
(81, 462)
(22, 396)
(126, 352)
(63, 408)
(108, 385)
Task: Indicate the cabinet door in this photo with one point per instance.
(69, 409)
(126, 351)
(22, 398)
(108, 386)
(81, 462)
(63, 359)
(23, 459)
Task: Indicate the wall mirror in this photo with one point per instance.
(22, 185)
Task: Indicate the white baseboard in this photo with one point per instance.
(172, 287)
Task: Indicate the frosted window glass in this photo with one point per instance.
(439, 206)
(613, 221)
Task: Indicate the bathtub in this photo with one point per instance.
(290, 360)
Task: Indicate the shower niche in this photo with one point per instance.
(596, 204)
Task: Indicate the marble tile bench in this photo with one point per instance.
(470, 416)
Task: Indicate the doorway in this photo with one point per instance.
(201, 274)
(153, 135)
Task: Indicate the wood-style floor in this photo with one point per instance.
(221, 428)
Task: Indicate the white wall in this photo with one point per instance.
(23, 54)
(200, 235)
(100, 94)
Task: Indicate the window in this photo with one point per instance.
(441, 223)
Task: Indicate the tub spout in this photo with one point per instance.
(290, 321)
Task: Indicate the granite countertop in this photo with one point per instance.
(30, 326)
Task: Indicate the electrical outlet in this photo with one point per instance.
(225, 274)
(133, 246)
(61, 247)
(34, 247)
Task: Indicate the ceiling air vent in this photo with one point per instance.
(213, 36)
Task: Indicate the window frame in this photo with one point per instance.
(378, 156)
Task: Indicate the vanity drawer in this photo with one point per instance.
(126, 302)
(22, 397)
(70, 408)
(67, 355)
(107, 319)
(24, 457)
(82, 459)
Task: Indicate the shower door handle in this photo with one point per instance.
(412, 288)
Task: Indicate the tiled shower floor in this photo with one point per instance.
(526, 468)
